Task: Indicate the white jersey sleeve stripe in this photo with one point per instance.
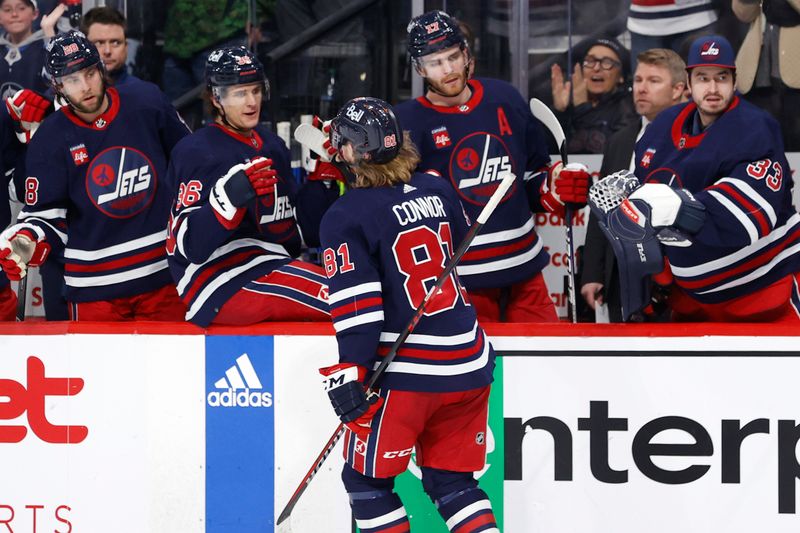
(751, 193)
(503, 264)
(358, 320)
(338, 296)
(740, 215)
(504, 236)
(434, 340)
(440, 370)
(125, 247)
(48, 214)
(111, 279)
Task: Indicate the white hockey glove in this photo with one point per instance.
(676, 211)
(316, 137)
(241, 184)
(565, 184)
(27, 109)
(21, 246)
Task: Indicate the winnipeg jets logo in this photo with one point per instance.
(709, 48)
(353, 114)
(491, 168)
(120, 181)
(478, 163)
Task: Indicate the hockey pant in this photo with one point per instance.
(297, 291)
(463, 506)
(527, 301)
(779, 302)
(8, 304)
(161, 305)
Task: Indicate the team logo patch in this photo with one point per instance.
(647, 158)
(477, 164)
(121, 182)
(441, 137)
(480, 438)
(361, 446)
(70, 48)
(709, 50)
(80, 156)
(100, 123)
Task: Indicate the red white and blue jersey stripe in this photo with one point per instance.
(383, 248)
(96, 193)
(473, 146)
(668, 17)
(209, 261)
(738, 170)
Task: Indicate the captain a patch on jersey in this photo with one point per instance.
(477, 165)
(121, 182)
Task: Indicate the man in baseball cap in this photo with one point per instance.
(712, 78)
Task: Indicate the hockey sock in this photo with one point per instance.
(468, 511)
(376, 508)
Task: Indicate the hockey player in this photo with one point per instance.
(384, 242)
(232, 234)
(472, 132)
(95, 195)
(742, 264)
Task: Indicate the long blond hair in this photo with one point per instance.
(398, 170)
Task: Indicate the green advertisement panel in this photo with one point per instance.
(421, 512)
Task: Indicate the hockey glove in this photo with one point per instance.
(325, 171)
(27, 109)
(344, 384)
(565, 184)
(20, 248)
(240, 185)
(316, 137)
(676, 211)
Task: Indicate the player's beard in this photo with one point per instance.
(450, 90)
(101, 98)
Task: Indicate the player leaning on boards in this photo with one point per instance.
(94, 192)
(232, 234)
(740, 259)
(383, 241)
(472, 132)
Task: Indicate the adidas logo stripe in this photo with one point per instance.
(240, 387)
(242, 375)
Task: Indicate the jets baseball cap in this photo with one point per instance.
(711, 51)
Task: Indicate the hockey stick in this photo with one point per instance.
(22, 297)
(546, 117)
(283, 522)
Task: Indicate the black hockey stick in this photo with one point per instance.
(283, 522)
(22, 297)
(546, 117)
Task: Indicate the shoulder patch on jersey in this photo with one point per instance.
(408, 188)
(441, 137)
(80, 155)
(647, 158)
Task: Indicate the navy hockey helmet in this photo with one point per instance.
(234, 65)
(372, 128)
(432, 32)
(71, 52)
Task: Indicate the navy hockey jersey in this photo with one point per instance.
(97, 193)
(209, 262)
(738, 170)
(22, 66)
(473, 147)
(383, 248)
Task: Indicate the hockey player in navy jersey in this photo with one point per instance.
(95, 196)
(232, 231)
(384, 242)
(742, 262)
(473, 132)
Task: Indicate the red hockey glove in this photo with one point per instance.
(27, 109)
(344, 385)
(20, 248)
(240, 185)
(325, 171)
(564, 185)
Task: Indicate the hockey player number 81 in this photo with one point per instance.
(421, 255)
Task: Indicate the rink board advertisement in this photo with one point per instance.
(164, 433)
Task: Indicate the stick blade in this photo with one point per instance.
(283, 527)
(546, 117)
(312, 138)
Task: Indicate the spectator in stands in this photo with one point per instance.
(22, 50)
(672, 24)
(658, 83)
(106, 28)
(768, 62)
(600, 103)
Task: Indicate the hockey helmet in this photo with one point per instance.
(71, 52)
(234, 65)
(432, 32)
(371, 126)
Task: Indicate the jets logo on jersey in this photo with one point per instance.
(666, 176)
(647, 158)
(80, 156)
(478, 163)
(709, 49)
(441, 137)
(121, 182)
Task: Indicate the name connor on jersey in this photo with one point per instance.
(239, 398)
(414, 210)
